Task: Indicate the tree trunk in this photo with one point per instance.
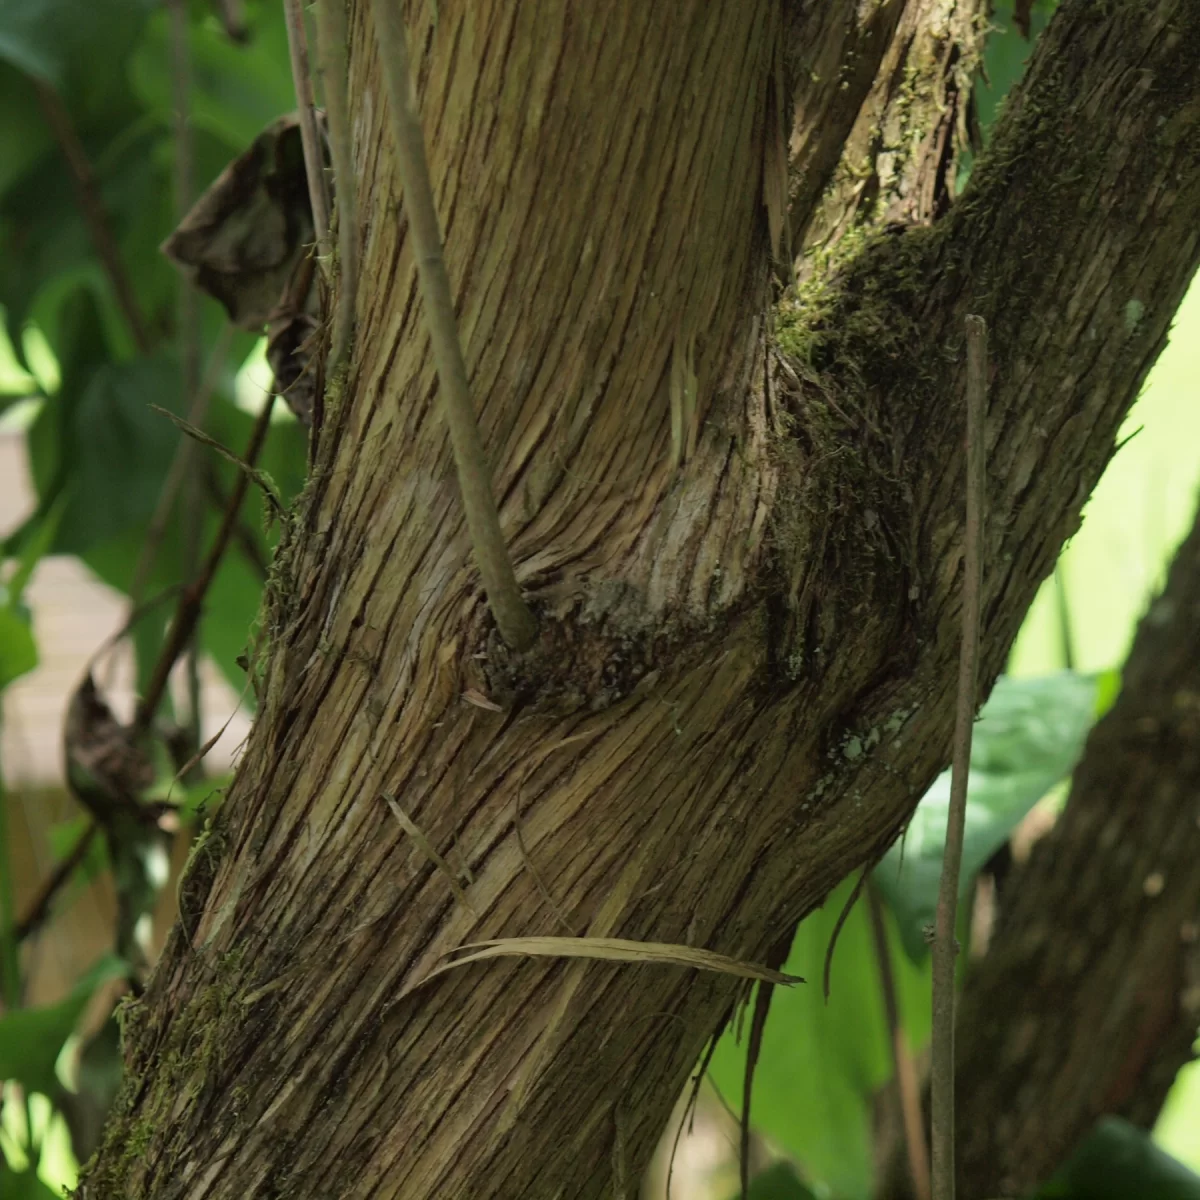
(743, 680)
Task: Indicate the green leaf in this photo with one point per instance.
(24, 1185)
(31, 1039)
(70, 43)
(62, 837)
(777, 1182)
(24, 137)
(1028, 737)
(1118, 1161)
(1108, 687)
(35, 548)
(820, 1063)
(239, 89)
(120, 450)
(18, 650)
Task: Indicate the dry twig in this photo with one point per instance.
(945, 948)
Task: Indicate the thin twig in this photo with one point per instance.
(902, 1060)
(189, 333)
(513, 618)
(37, 912)
(1065, 635)
(310, 135)
(177, 471)
(87, 196)
(758, 1025)
(332, 39)
(245, 537)
(945, 948)
(246, 467)
(187, 612)
(843, 917)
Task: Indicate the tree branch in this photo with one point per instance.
(744, 650)
(39, 907)
(90, 205)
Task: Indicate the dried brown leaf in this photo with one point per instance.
(608, 950)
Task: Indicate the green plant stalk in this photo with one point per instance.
(10, 960)
(513, 618)
(945, 948)
(332, 38)
(10, 966)
(310, 137)
(189, 335)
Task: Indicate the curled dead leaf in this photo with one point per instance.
(107, 767)
(248, 241)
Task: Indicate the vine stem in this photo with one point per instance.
(87, 197)
(513, 618)
(192, 521)
(310, 137)
(190, 606)
(907, 1087)
(332, 39)
(945, 949)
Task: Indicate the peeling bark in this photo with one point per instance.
(743, 681)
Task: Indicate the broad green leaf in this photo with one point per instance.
(820, 1063)
(1108, 687)
(120, 451)
(24, 137)
(33, 551)
(238, 90)
(24, 1185)
(1118, 1161)
(31, 1039)
(71, 44)
(62, 837)
(777, 1182)
(18, 650)
(1028, 737)
(1006, 56)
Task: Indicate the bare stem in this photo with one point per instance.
(38, 911)
(902, 1060)
(513, 618)
(187, 612)
(945, 948)
(177, 472)
(87, 196)
(310, 136)
(332, 36)
(189, 329)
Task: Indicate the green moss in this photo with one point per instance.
(855, 366)
(168, 1073)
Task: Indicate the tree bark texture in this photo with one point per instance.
(1095, 966)
(743, 679)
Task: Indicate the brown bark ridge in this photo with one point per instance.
(742, 683)
(1095, 967)
(886, 152)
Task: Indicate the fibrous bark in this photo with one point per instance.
(1088, 1001)
(749, 621)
